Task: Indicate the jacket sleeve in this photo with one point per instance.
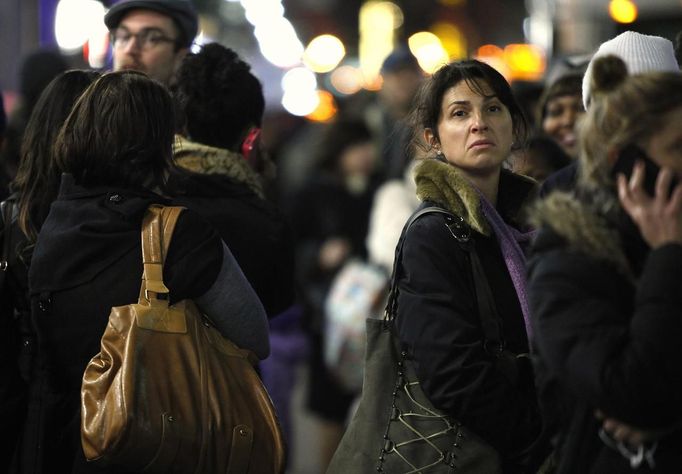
(612, 345)
(201, 267)
(437, 318)
(235, 309)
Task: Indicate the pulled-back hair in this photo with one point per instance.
(120, 133)
(624, 110)
(477, 75)
(219, 97)
(37, 179)
(569, 84)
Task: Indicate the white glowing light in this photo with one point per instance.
(199, 42)
(324, 53)
(300, 103)
(428, 50)
(299, 79)
(76, 21)
(258, 16)
(347, 79)
(279, 43)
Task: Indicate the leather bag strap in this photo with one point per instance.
(460, 230)
(158, 225)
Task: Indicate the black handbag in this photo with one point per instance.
(395, 428)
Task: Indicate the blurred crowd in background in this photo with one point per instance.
(343, 187)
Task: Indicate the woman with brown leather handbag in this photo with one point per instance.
(115, 149)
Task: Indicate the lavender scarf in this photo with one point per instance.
(510, 241)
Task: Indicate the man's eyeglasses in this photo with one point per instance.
(146, 39)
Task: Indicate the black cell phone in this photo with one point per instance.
(626, 162)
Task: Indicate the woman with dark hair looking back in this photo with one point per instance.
(116, 150)
(33, 190)
(468, 121)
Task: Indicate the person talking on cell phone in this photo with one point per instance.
(605, 282)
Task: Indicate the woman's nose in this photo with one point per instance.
(479, 123)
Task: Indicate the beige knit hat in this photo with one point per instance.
(641, 53)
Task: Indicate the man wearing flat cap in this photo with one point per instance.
(151, 36)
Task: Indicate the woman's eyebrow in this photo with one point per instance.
(459, 102)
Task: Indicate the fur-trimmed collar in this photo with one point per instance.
(445, 185)
(204, 159)
(585, 229)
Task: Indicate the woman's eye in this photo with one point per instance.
(494, 108)
(458, 113)
(554, 112)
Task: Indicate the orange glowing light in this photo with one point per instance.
(526, 62)
(325, 110)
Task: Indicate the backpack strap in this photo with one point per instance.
(493, 342)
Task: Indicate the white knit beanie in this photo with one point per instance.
(641, 53)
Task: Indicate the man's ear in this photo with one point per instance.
(179, 56)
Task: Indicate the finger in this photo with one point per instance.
(624, 192)
(635, 438)
(637, 176)
(663, 181)
(676, 199)
(610, 425)
(623, 434)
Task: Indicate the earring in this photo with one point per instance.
(439, 153)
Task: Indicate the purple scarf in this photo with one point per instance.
(510, 240)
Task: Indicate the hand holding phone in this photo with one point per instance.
(625, 164)
(651, 198)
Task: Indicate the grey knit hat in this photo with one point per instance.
(641, 53)
(181, 11)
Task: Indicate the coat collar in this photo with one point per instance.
(204, 159)
(446, 186)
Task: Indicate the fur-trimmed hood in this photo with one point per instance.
(204, 159)
(584, 229)
(445, 185)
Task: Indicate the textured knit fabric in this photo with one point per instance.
(641, 53)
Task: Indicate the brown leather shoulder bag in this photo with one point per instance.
(167, 393)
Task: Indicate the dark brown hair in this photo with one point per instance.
(37, 179)
(218, 96)
(119, 133)
(477, 75)
(570, 84)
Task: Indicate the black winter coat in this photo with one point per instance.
(607, 318)
(254, 230)
(17, 341)
(438, 317)
(88, 259)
